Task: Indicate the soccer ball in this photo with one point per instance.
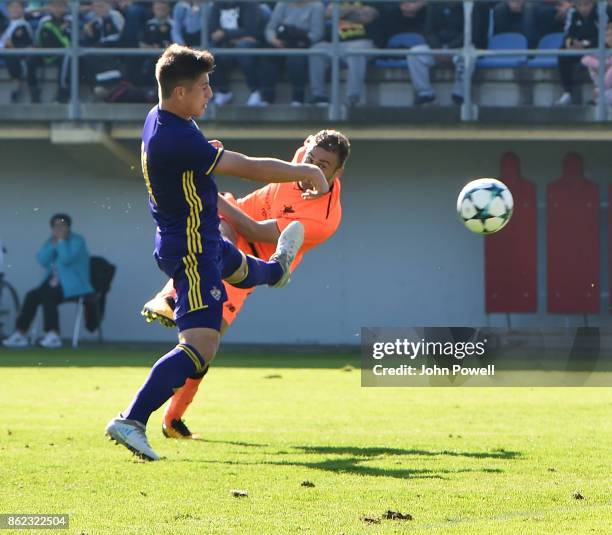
(485, 205)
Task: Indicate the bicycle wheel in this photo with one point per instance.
(9, 308)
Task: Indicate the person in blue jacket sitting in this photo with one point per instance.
(65, 258)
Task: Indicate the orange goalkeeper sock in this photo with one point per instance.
(181, 400)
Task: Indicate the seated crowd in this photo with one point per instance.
(416, 24)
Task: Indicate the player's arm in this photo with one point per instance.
(254, 231)
(271, 170)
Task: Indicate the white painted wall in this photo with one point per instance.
(400, 258)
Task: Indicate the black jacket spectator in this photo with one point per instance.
(157, 33)
(444, 25)
(237, 25)
(104, 30)
(404, 17)
(236, 20)
(580, 32)
(18, 34)
(581, 28)
(54, 31)
(550, 16)
(153, 33)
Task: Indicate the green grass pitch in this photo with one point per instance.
(463, 460)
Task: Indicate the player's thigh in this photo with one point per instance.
(200, 295)
(205, 340)
(199, 288)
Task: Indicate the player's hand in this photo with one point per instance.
(318, 186)
(311, 194)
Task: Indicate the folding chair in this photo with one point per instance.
(92, 306)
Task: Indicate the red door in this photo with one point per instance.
(511, 254)
(573, 241)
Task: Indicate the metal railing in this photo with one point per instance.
(469, 54)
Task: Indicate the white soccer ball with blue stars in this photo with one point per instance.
(485, 205)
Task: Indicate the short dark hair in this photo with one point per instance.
(65, 218)
(179, 64)
(334, 141)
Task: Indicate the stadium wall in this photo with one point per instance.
(400, 258)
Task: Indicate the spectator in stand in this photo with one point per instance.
(104, 27)
(187, 24)
(581, 32)
(102, 30)
(592, 64)
(18, 34)
(404, 17)
(482, 22)
(235, 25)
(292, 25)
(135, 15)
(54, 31)
(443, 29)
(550, 16)
(516, 16)
(357, 30)
(155, 33)
(65, 259)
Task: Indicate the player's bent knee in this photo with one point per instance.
(205, 341)
(241, 273)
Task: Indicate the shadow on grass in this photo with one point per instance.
(375, 452)
(350, 460)
(352, 465)
(233, 443)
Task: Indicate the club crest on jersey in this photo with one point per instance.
(216, 293)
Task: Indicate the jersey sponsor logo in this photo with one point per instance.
(288, 209)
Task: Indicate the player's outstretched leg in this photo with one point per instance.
(168, 374)
(246, 271)
(242, 271)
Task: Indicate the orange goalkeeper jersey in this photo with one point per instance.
(283, 202)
